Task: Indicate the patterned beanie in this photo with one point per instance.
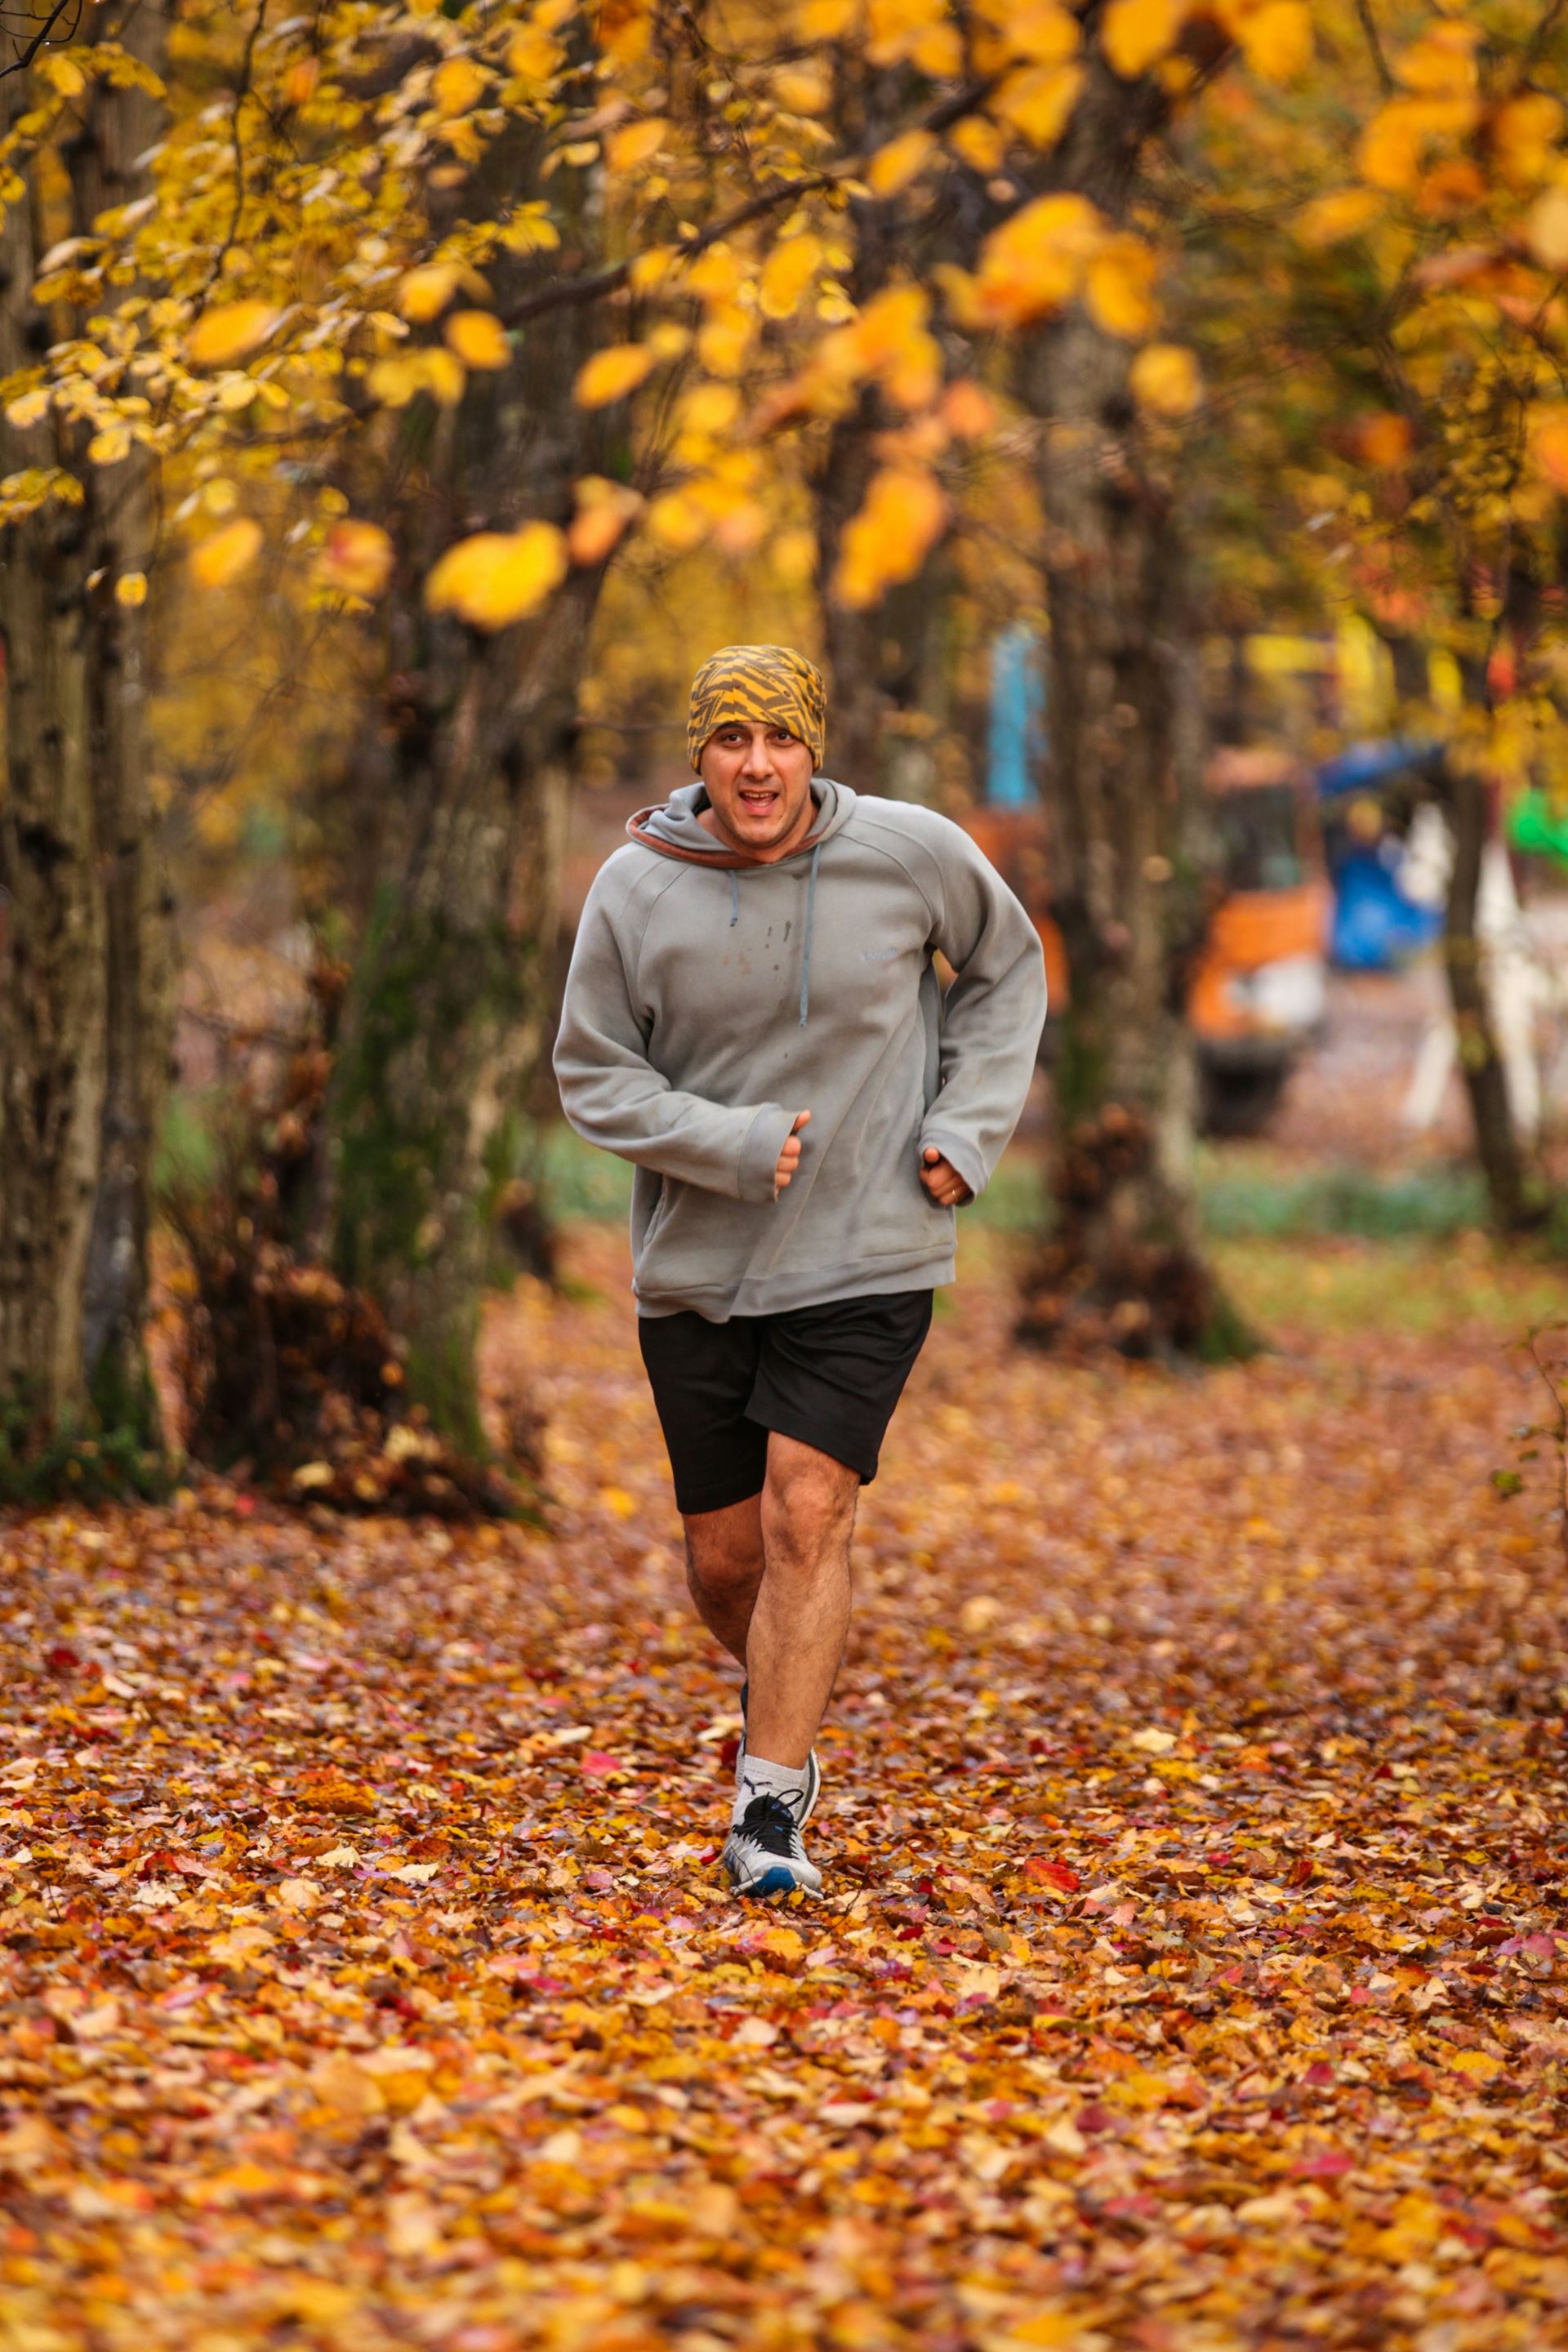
(758, 685)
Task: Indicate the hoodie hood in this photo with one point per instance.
(675, 830)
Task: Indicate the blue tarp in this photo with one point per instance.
(1017, 735)
(1366, 764)
(1375, 927)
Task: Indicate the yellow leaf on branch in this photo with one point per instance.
(1119, 286)
(457, 85)
(1549, 446)
(356, 560)
(1164, 378)
(217, 562)
(1277, 40)
(980, 142)
(479, 339)
(724, 339)
(1442, 63)
(888, 540)
(787, 272)
(395, 382)
(635, 143)
(716, 274)
(1343, 212)
(222, 336)
(1037, 101)
(893, 167)
(613, 372)
(29, 408)
(1546, 229)
(1033, 263)
(1395, 141)
(1384, 440)
(604, 510)
(968, 410)
(1523, 135)
(498, 577)
(1136, 34)
(532, 54)
(917, 32)
(803, 88)
(425, 293)
(1035, 32)
(130, 590)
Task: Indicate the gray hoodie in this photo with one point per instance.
(711, 998)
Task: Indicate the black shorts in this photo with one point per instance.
(829, 1375)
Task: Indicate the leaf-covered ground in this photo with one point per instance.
(1189, 1974)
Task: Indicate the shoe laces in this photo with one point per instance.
(769, 1823)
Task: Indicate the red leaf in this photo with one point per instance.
(1055, 1873)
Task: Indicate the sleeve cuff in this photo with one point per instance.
(766, 1139)
(960, 1154)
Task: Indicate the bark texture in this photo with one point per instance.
(83, 1002)
(1123, 792)
(123, 520)
(1480, 1064)
(884, 662)
(447, 1008)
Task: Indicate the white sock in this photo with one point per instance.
(760, 1779)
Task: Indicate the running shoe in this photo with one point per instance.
(813, 1770)
(763, 1854)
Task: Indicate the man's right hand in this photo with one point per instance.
(789, 1157)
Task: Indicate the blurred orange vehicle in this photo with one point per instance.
(1258, 992)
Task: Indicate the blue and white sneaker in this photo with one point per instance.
(763, 1854)
(813, 1770)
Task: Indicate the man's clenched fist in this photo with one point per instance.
(941, 1178)
(789, 1157)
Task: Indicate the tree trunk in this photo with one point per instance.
(53, 1047)
(446, 1007)
(82, 1021)
(852, 638)
(872, 653)
(117, 128)
(1123, 794)
(449, 996)
(1496, 1140)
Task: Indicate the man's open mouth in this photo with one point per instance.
(759, 800)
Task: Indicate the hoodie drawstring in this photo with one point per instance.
(805, 947)
(810, 925)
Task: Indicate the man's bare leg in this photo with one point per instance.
(724, 1569)
(800, 1614)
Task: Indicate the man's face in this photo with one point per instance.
(759, 782)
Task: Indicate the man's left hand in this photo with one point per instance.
(943, 1181)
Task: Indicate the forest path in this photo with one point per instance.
(1189, 1974)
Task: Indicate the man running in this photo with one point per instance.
(754, 1017)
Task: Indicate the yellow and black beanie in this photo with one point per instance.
(758, 686)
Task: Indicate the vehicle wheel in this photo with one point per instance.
(1240, 1102)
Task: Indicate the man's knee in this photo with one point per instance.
(722, 1559)
(809, 1498)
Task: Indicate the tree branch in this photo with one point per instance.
(42, 38)
(1375, 43)
(242, 91)
(1542, 34)
(597, 283)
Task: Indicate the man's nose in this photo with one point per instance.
(759, 760)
